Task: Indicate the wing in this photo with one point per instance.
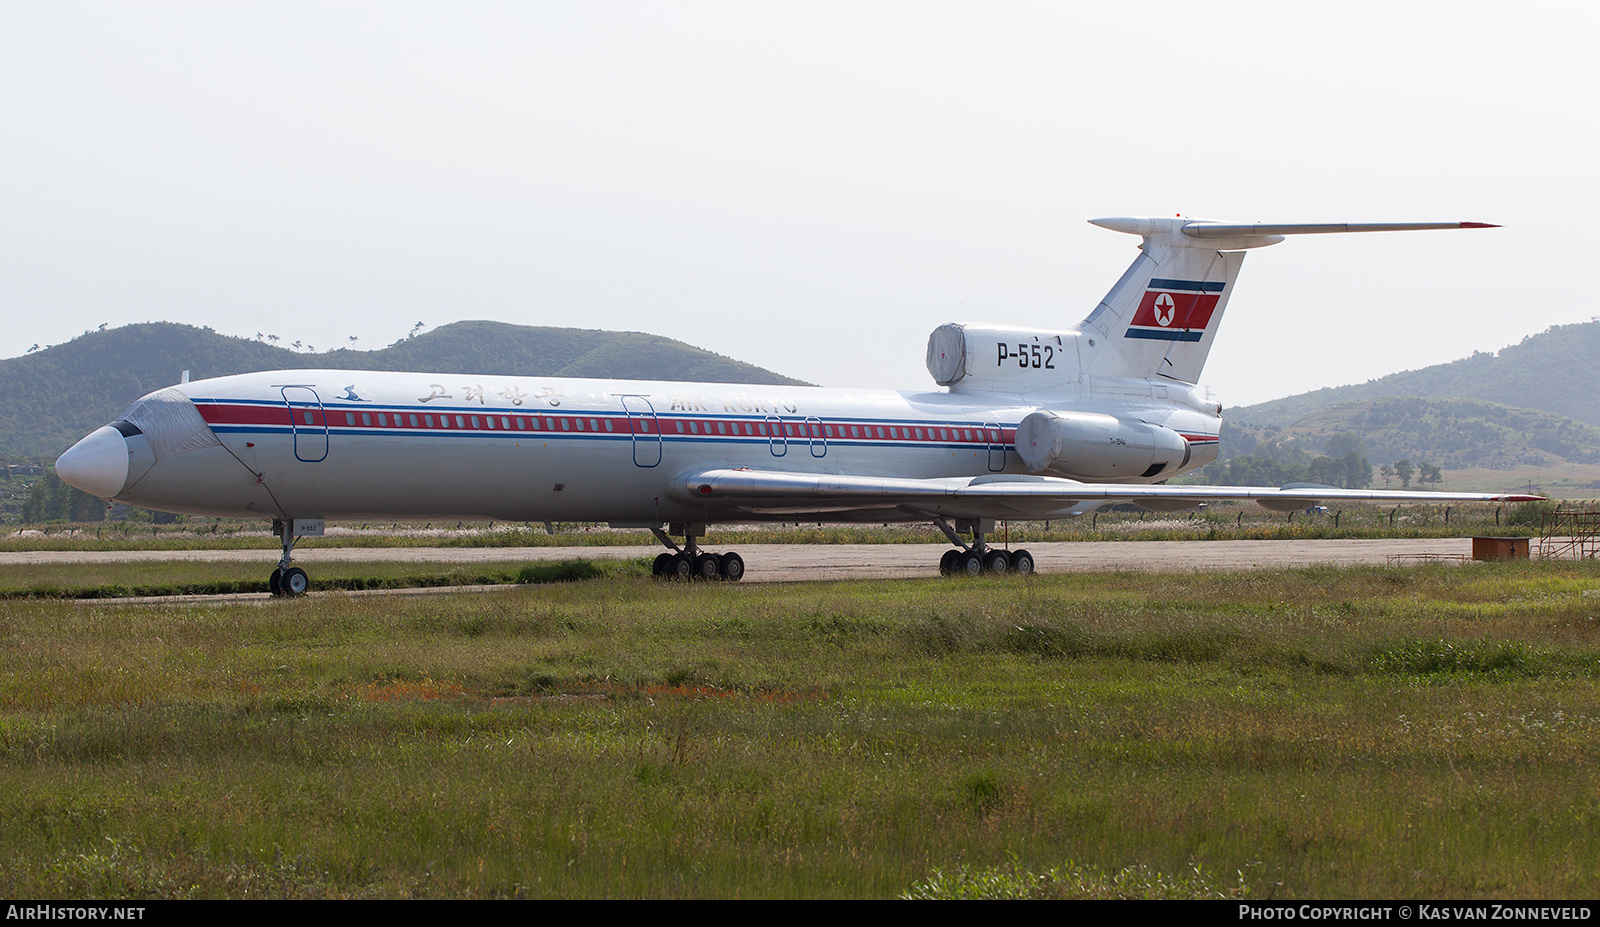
(777, 492)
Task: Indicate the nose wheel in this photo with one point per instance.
(287, 580)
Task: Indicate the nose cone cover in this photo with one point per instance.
(98, 464)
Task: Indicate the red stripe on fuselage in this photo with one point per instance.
(226, 414)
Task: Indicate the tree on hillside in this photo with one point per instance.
(51, 499)
(1428, 474)
(1356, 471)
(1403, 469)
(1352, 470)
(1345, 442)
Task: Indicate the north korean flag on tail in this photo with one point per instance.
(1175, 310)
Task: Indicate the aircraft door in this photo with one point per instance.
(997, 446)
(778, 443)
(646, 430)
(819, 441)
(308, 421)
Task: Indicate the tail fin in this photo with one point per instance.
(1160, 318)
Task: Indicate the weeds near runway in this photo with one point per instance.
(1220, 522)
(181, 578)
(1322, 732)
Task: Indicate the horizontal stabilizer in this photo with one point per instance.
(1230, 229)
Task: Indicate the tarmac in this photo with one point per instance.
(767, 563)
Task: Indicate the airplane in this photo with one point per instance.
(1027, 424)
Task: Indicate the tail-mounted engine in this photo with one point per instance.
(1018, 360)
(1096, 447)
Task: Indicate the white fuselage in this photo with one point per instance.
(373, 445)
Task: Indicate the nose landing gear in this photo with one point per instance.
(289, 580)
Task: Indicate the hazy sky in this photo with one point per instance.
(811, 187)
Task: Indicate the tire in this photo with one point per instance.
(1021, 562)
(681, 568)
(947, 563)
(295, 582)
(996, 563)
(662, 566)
(705, 567)
(274, 581)
(969, 564)
(732, 567)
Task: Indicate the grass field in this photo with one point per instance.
(186, 578)
(1316, 733)
(1223, 521)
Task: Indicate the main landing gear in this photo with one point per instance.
(289, 580)
(689, 562)
(978, 558)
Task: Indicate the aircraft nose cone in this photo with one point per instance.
(98, 464)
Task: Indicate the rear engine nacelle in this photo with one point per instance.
(1093, 446)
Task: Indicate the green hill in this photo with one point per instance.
(57, 395)
(1552, 371)
(1455, 434)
